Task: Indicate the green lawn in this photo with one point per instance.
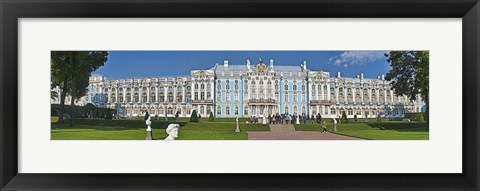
(376, 131)
(91, 129)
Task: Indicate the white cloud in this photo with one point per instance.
(351, 58)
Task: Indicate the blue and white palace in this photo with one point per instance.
(248, 89)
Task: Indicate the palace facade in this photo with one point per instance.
(244, 90)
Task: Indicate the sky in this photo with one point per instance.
(133, 64)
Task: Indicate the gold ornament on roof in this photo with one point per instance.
(261, 68)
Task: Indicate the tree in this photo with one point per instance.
(194, 117)
(70, 70)
(211, 118)
(409, 74)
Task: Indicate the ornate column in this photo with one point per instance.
(148, 94)
(361, 96)
(336, 94)
(369, 94)
(140, 91)
(174, 93)
(156, 93)
(109, 95)
(183, 93)
(132, 91)
(353, 96)
(116, 94)
(328, 91)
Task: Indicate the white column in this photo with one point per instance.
(109, 95)
(345, 95)
(385, 95)
(156, 94)
(378, 95)
(140, 91)
(183, 94)
(361, 95)
(116, 95)
(165, 93)
(321, 93)
(328, 91)
(174, 93)
(336, 94)
(148, 95)
(391, 96)
(192, 90)
(369, 95)
(132, 90)
(353, 96)
(124, 95)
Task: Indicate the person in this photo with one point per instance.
(199, 117)
(324, 124)
(304, 119)
(269, 119)
(334, 125)
(355, 117)
(319, 118)
(287, 117)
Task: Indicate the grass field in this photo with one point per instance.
(376, 131)
(130, 129)
(91, 129)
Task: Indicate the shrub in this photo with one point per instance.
(344, 117)
(194, 117)
(108, 114)
(210, 118)
(419, 116)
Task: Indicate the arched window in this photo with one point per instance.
(161, 97)
(112, 98)
(144, 97)
(227, 110)
(129, 97)
(286, 109)
(170, 97)
(152, 97)
(120, 97)
(179, 97)
(245, 110)
(294, 87)
(285, 88)
(236, 110)
(219, 110)
(136, 98)
(341, 98)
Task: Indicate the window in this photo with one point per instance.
(170, 97)
(227, 110)
(202, 95)
(152, 97)
(332, 111)
(236, 110)
(202, 86)
(170, 110)
(286, 109)
(196, 96)
(286, 97)
(350, 112)
(209, 94)
(294, 87)
(219, 110)
(245, 110)
(196, 86)
(285, 88)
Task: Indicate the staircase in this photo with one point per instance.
(281, 128)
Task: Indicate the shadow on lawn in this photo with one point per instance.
(401, 127)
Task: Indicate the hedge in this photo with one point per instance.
(81, 110)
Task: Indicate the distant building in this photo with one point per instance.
(245, 90)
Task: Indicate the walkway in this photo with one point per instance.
(287, 132)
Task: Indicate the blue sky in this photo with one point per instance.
(130, 64)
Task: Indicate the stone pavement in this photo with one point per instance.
(287, 132)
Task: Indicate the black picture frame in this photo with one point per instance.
(12, 10)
